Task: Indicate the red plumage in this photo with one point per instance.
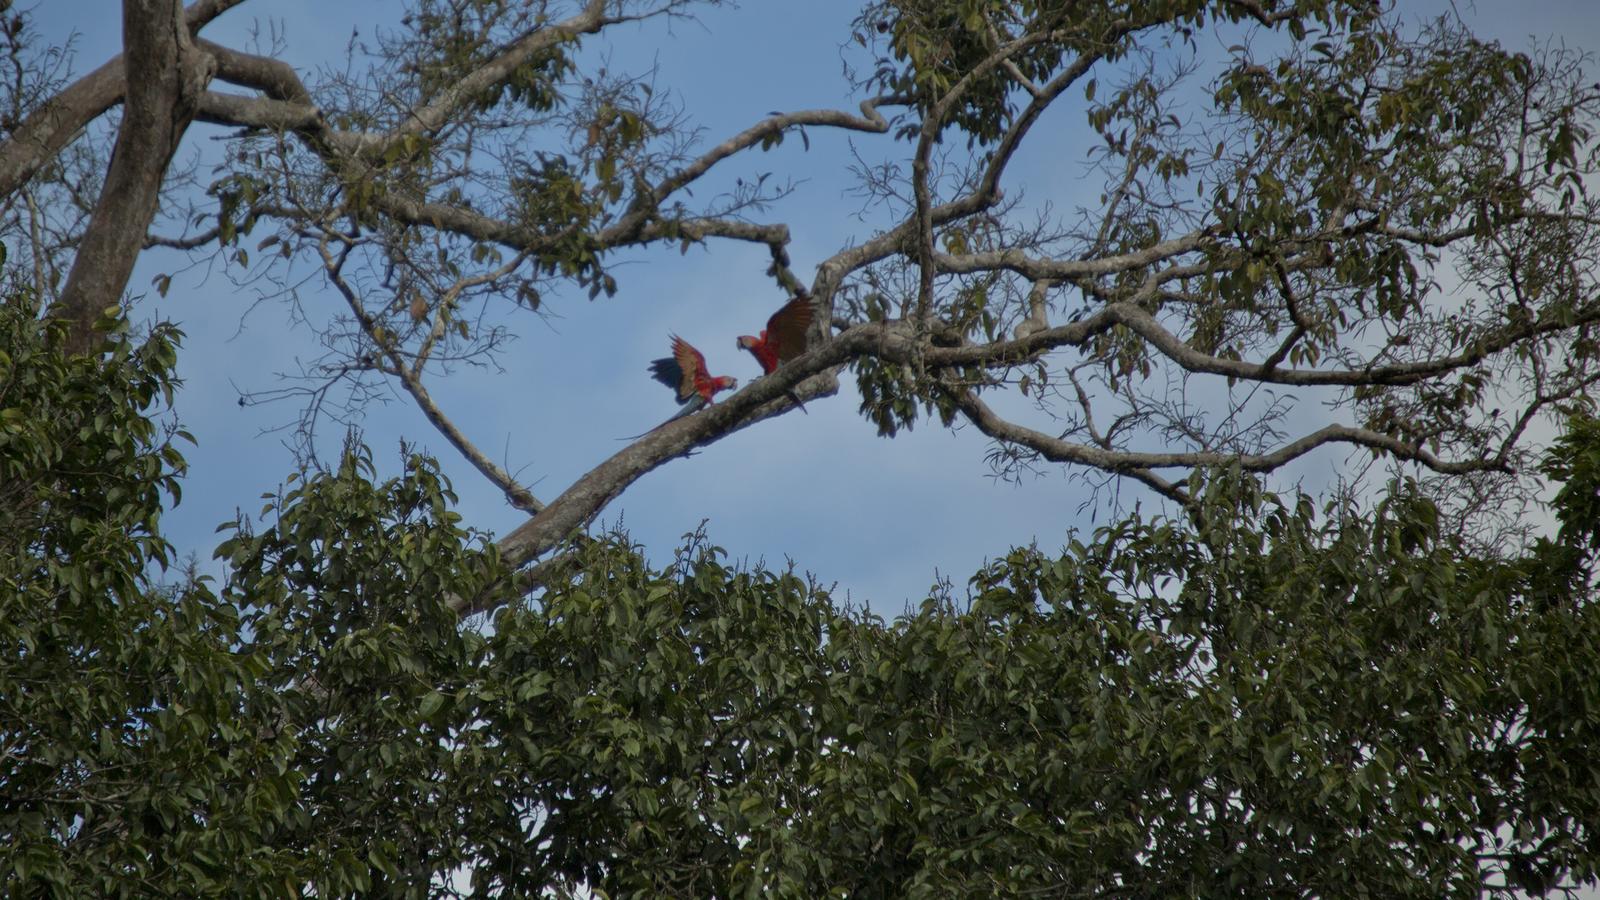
(685, 372)
(784, 338)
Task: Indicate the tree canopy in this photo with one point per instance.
(1270, 698)
(1342, 231)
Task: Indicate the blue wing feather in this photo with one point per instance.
(667, 371)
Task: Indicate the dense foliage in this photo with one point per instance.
(1382, 223)
(119, 699)
(1275, 700)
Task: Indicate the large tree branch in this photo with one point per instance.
(576, 507)
(813, 374)
(895, 343)
(1013, 259)
(1140, 465)
(56, 122)
(59, 120)
(160, 105)
(288, 107)
(898, 342)
(1142, 322)
(435, 115)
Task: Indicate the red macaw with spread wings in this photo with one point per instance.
(685, 372)
(783, 339)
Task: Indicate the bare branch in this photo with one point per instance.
(934, 123)
(1036, 268)
(576, 507)
(411, 380)
(1140, 464)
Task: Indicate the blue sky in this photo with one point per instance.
(878, 517)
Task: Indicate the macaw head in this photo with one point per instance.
(746, 342)
(725, 383)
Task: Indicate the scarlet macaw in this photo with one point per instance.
(685, 372)
(783, 339)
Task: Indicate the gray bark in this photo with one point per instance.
(168, 76)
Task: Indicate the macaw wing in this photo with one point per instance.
(786, 330)
(692, 366)
(667, 371)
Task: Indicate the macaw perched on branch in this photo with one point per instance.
(783, 339)
(685, 372)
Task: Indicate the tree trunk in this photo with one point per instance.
(166, 75)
